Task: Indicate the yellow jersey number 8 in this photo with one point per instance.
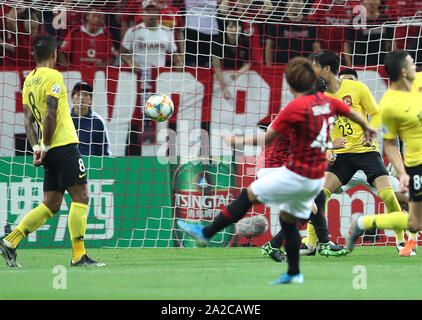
(35, 111)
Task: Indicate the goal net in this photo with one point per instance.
(222, 63)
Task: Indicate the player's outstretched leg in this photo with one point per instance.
(394, 220)
(31, 222)
(355, 231)
(235, 211)
(196, 231)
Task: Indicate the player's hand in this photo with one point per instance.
(369, 133)
(365, 142)
(234, 76)
(331, 157)
(404, 182)
(339, 143)
(39, 156)
(226, 93)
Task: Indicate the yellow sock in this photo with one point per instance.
(13, 238)
(327, 197)
(368, 222)
(78, 250)
(31, 222)
(393, 221)
(311, 236)
(389, 198)
(392, 205)
(77, 228)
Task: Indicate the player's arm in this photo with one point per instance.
(29, 123)
(126, 56)
(263, 139)
(393, 154)
(50, 120)
(369, 132)
(49, 126)
(371, 107)
(341, 108)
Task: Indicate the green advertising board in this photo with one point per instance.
(130, 203)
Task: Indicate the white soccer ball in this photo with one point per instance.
(252, 226)
(159, 107)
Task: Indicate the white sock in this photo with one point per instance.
(359, 223)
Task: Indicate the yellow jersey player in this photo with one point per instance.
(401, 115)
(45, 102)
(358, 153)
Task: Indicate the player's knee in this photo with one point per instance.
(54, 207)
(79, 194)
(287, 217)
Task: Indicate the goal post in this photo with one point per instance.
(181, 168)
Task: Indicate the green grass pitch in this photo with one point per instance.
(210, 273)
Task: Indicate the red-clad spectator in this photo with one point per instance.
(333, 16)
(408, 26)
(171, 18)
(132, 8)
(87, 45)
(5, 43)
(19, 45)
(252, 13)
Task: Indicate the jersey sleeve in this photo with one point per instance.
(339, 107)
(54, 84)
(24, 100)
(389, 126)
(66, 45)
(282, 122)
(368, 100)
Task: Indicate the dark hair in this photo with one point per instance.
(82, 86)
(348, 71)
(300, 74)
(327, 58)
(44, 46)
(394, 61)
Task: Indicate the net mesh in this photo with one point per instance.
(222, 63)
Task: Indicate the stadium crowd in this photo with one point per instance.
(361, 31)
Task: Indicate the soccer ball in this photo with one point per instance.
(253, 226)
(159, 107)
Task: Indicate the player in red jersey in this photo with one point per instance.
(306, 120)
(87, 45)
